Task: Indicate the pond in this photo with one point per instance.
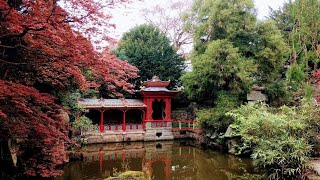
(158, 161)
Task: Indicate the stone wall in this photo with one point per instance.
(113, 137)
(181, 114)
(196, 135)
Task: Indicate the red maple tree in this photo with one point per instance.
(33, 118)
(43, 49)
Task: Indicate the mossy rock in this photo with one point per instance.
(132, 175)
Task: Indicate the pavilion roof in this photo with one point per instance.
(110, 103)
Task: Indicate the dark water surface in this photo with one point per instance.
(158, 161)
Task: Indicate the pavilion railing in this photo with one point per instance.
(183, 125)
(111, 127)
(133, 126)
(159, 123)
(92, 129)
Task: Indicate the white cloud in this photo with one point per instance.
(262, 6)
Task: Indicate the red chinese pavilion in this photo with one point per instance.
(148, 118)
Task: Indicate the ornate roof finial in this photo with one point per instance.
(155, 78)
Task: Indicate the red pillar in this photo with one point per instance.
(124, 121)
(167, 109)
(101, 121)
(150, 108)
(143, 119)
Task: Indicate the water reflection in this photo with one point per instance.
(158, 160)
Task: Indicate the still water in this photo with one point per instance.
(158, 161)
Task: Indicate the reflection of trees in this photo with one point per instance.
(244, 176)
(124, 166)
(178, 162)
(219, 166)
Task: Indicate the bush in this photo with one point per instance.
(82, 122)
(280, 139)
(215, 117)
(277, 93)
(70, 102)
(295, 77)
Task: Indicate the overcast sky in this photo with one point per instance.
(128, 16)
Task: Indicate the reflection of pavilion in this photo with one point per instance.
(154, 159)
(116, 120)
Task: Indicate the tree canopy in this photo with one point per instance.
(220, 67)
(299, 23)
(260, 46)
(150, 51)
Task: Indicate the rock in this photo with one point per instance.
(214, 136)
(229, 132)
(208, 135)
(63, 115)
(231, 145)
(256, 96)
(314, 171)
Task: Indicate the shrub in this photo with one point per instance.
(82, 122)
(295, 76)
(277, 93)
(70, 102)
(280, 138)
(215, 117)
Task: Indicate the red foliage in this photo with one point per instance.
(32, 116)
(316, 76)
(38, 39)
(42, 47)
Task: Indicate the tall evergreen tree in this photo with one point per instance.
(150, 51)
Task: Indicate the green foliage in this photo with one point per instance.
(220, 67)
(82, 122)
(150, 51)
(70, 102)
(280, 138)
(299, 22)
(295, 77)
(256, 51)
(277, 93)
(270, 52)
(308, 93)
(88, 74)
(215, 118)
(89, 93)
(216, 19)
(121, 54)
